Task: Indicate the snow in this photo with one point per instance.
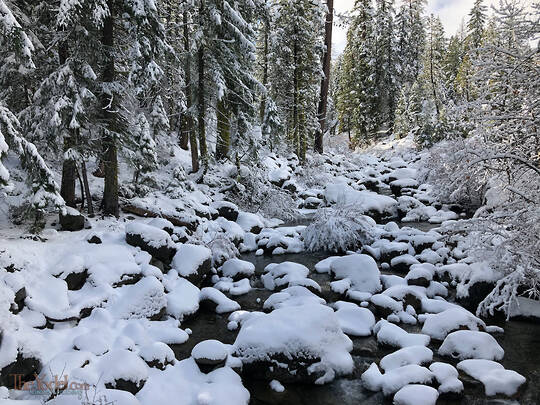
(307, 330)
(360, 269)
(363, 201)
(152, 235)
(408, 355)
(183, 296)
(223, 303)
(447, 377)
(234, 267)
(239, 287)
(385, 301)
(209, 349)
(496, 379)
(249, 221)
(439, 325)
(144, 299)
(393, 335)
(395, 379)
(467, 344)
(416, 394)
(277, 386)
(292, 296)
(287, 274)
(187, 385)
(354, 320)
(121, 364)
(157, 351)
(189, 258)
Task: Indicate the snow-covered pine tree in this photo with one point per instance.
(296, 47)
(145, 157)
(410, 40)
(432, 82)
(476, 24)
(357, 100)
(385, 60)
(16, 51)
(62, 112)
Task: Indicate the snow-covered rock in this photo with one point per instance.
(354, 320)
(360, 269)
(151, 239)
(408, 355)
(447, 377)
(468, 344)
(416, 394)
(294, 343)
(496, 379)
(439, 325)
(192, 262)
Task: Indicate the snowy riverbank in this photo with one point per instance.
(390, 307)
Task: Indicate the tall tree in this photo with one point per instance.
(325, 82)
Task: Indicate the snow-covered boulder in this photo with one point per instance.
(209, 355)
(395, 379)
(193, 262)
(71, 220)
(153, 240)
(185, 384)
(157, 354)
(237, 269)
(439, 325)
(182, 296)
(416, 394)
(144, 299)
(468, 344)
(408, 355)
(123, 370)
(217, 301)
(250, 222)
(447, 377)
(360, 269)
(392, 335)
(226, 209)
(496, 379)
(294, 344)
(354, 320)
(278, 276)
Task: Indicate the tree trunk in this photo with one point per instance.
(110, 158)
(265, 66)
(67, 184)
(224, 130)
(325, 83)
(89, 204)
(202, 94)
(188, 119)
(296, 139)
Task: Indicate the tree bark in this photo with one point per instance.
(69, 168)
(265, 66)
(89, 205)
(224, 130)
(188, 119)
(296, 138)
(325, 83)
(110, 158)
(202, 95)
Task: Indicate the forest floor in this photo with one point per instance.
(199, 294)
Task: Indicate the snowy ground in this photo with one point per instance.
(105, 309)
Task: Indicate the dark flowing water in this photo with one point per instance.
(521, 342)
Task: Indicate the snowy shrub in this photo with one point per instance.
(338, 230)
(254, 193)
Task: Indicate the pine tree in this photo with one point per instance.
(145, 158)
(296, 49)
(17, 50)
(410, 40)
(357, 100)
(477, 23)
(385, 57)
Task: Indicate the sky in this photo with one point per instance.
(451, 13)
